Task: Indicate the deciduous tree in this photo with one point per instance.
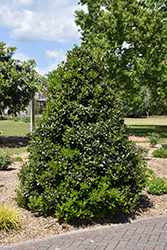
(18, 81)
(132, 38)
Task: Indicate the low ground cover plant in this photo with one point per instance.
(18, 158)
(154, 139)
(150, 175)
(81, 162)
(10, 217)
(160, 153)
(5, 161)
(157, 186)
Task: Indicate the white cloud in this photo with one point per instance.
(55, 57)
(40, 20)
(22, 57)
(43, 71)
(22, 2)
(58, 55)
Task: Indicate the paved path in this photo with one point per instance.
(144, 234)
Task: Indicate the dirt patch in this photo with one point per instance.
(35, 226)
(138, 138)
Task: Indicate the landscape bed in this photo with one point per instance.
(35, 226)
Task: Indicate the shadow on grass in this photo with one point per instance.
(146, 130)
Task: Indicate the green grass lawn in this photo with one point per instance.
(145, 126)
(137, 126)
(11, 128)
(13, 151)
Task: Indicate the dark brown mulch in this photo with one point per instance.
(13, 141)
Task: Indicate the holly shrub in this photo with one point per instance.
(81, 163)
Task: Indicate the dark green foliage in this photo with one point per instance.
(26, 119)
(39, 107)
(18, 81)
(158, 186)
(164, 146)
(153, 139)
(5, 161)
(131, 37)
(2, 118)
(16, 119)
(81, 163)
(160, 153)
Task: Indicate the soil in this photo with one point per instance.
(35, 226)
(13, 141)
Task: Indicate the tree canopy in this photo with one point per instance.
(131, 36)
(81, 162)
(18, 81)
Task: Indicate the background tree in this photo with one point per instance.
(132, 38)
(18, 81)
(81, 163)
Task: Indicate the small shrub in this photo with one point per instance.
(5, 161)
(164, 146)
(18, 158)
(154, 139)
(26, 119)
(157, 186)
(150, 175)
(15, 119)
(2, 118)
(10, 217)
(160, 153)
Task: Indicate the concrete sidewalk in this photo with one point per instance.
(143, 234)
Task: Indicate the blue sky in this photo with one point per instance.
(42, 30)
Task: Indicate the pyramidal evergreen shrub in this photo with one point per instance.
(81, 163)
